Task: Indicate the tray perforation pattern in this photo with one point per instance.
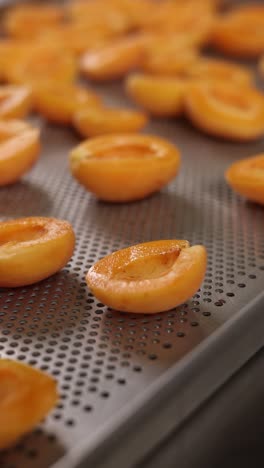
(102, 358)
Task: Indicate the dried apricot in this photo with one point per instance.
(215, 69)
(226, 110)
(148, 278)
(19, 150)
(246, 177)
(32, 249)
(15, 101)
(95, 121)
(58, 102)
(114, 60)
(26, 396)
(124, 167)
(160, 96)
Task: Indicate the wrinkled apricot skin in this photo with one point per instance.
(58, 102)
(15, 102)
(125, 167)
(26, 396)
(225, 110)
(246, 177)
(18, 151)
(240, 33)
(102, 121)
(148, 278)
(112, 61)
(32, 249)
(160, 96)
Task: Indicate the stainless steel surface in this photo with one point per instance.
(101, 358)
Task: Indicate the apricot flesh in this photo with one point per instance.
(125, 167)
(222, 70)
(58, 102)
(246, 177)
(26, 396)
(15, 102)
(148, 278)
(32, 249)
(94, 121)
(226, 110)
(19, 150)
(160, 96)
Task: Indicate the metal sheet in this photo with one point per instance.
(108, 363)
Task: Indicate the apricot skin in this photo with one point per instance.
(160, 96)
(96, 121)
(125, 167)
(226, 110)
(18, 153)
(32, 249)
(26, 396)
(165, 274)
(246, 177)
(15, 102)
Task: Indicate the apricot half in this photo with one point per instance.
(96, 121)
(112, 61)
(58, 102)
(26, 396)
(15, 101)
(19, 150)
(226, 110)
(246, 177)
(159, 96)
(220, 70)
(125, 167)
(148, 278)
(32, 249)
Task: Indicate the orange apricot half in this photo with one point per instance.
(148, 278)
(32, 249)
(125, 167)
(222, 70)
(95, 121)
(158, 95)
(26, 397)
(19, 150)
(113, 61)
(58, 102)
(240, 33)
(226, 110)
(246, 177)
(15, 101)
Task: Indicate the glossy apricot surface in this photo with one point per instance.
(19, 150)
(95, 121)
(58, 102)
(226, 110)
(27, 20)
(240, 33)
(26, 396)
(112, 61)
(125, 167)
(148, 278)
(32, 249)
(15, 101)
(160, 96)
(246, 177)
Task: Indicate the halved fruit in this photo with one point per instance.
(246, 177)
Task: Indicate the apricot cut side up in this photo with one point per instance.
(95, 121)
(160, 96)
(246, 177)
(148, 278)
(58, 102)
(19, 150)
(226, 110)
(215, 69)
(32, 249)
(15, 102)
(26, 397)
(125, 167)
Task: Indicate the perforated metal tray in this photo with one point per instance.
(126, 380)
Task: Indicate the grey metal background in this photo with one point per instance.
(103, 359)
